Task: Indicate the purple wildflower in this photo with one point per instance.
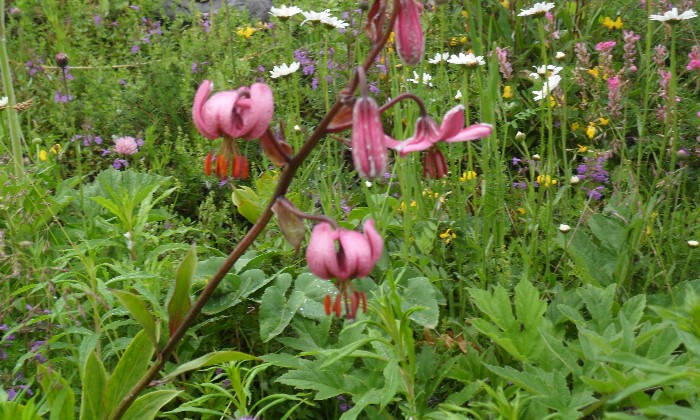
(97, 19)
(120, 163)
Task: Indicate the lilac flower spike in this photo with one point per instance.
(410, 42)
(450, 131)
(343, 254)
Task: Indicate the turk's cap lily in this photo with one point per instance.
(245, 112)
(343, 254)
(451, 130)
(410, 42)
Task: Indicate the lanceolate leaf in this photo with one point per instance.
(94, 381)
(131, 367)
(211, 359)
(146, 407)
(137, 308)
(179, 302)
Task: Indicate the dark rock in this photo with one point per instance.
(257, 9)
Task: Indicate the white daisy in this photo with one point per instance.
(551, 83)
(333, 22)
(426, 79)
(316, 16)
(538, 9)
(545, 70)
(284, 70)
(469, 60)
(439, 58)
(673, 16)
(284, 12)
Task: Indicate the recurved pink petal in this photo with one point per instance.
(410, 42)
(473, 132)
(376, 245)
(200, 98)
(217, 113)
(320, 253)
(353, 256)
(452, 123)
(427, 133)
(261, 110)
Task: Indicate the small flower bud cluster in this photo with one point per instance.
(630, 48)
(504, 66)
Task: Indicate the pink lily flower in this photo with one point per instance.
(410, 42)
(343, 254)
(245, 112)
(450, 131)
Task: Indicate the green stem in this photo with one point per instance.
(15, 129)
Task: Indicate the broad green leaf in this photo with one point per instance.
(496, 306)
(94, 381)
(211, 359)
(146, 406)
(529, 309)
(249, 204)
(676, 412)
(234, 288)
(59, 393)
(419, 292)
(180, 303)
(138, 310)
(131, 367)
(314, 289)
(275, 310)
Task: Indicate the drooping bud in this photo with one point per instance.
(434, 164)
(410, 42)
(369, 153)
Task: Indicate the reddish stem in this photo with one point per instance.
(282, 187)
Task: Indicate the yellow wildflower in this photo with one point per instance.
(582, 149)
(603, 121)
(463, 40)
(465, 14)
(467, 176)
(575, 126)
(505, 3)
(594, 72)
(590, 131)
(448, 236)
(552, 101)
(612, 24)
(56, 149)
(545, 181)
(507, 92)
(42, 155)
(246, 32)
(521, 210)
(453, 41)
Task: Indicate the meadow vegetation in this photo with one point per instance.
(534, 255)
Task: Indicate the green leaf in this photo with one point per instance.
(497, 306)
(179, 303)
(60, 395)
(249, 204)
(275, 310)
(314, 289)
(147, 406)
(419, 292)
(131, 367)
(138, 310)
(211, 359)
(94, 381)
(392, 383)
(235, 288)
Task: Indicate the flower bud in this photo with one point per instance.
(369, 152)
(410, 42)
(62, 60)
